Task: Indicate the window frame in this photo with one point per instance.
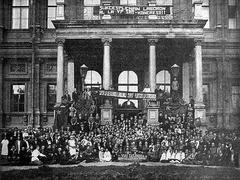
(165, 83)
(12, 103)
(231, 6)
(136, 102)
(47, 100)
(20, 7)
(235, 94)
(51, 6)
(93, 85)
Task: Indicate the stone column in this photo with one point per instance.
(60, 68)
(1, 92)
(70, 76)
(37, 122)
(1, 19)
(199, 106)
(152, 64)
(185, 77)
(106, 64)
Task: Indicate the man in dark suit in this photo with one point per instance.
(75, 95)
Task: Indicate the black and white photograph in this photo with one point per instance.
(119, 89)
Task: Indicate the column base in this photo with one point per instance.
(152, 113)
(200, 112)
(106, 114)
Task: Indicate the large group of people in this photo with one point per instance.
(82, 137)
(175, 140)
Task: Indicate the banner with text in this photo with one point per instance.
(162, 12)
(128, 95)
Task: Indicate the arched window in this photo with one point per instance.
(93, 80)
(163, 79)
(128, 81)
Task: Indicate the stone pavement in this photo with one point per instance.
(97, 164)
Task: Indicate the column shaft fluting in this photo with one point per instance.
(152, 64)
(60, 65)
(106, 64)
(198, 68)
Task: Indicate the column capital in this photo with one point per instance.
(106, 41)
(60, 41)
(198, 41)
(152, 42)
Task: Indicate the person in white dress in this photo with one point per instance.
(101, 154)
(107, 156)
(4, 149)
(72, 146)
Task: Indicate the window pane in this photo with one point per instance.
(18, 89)
(16, 13)
(132, 77)
(93, 77)
(122, 88)
(15, 23)
(91, 2)
(232, 23)
(133, 89)
(51, 2)
(123, 77)
(123, 2)
(24, 2)
(16, 2)
(132, 2)
(163, 77)
(205, 13)
(52, 12)
(163, 2)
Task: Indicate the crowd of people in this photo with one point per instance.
(175, 140)
(81, 137)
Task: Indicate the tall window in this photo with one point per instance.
(128, 2)
(17, 98)
(206, 96)
(128, 81)
(205, 12)
(236, 99)
(163, 79)
(52, 8)
(232, 14)
(20, 11)
(51, 96)
(93, 80)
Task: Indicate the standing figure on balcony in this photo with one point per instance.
(175, 88)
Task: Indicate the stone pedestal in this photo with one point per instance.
(106, 113)
(152, 113)
(200, 112)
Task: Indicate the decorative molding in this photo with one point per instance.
(198, 41)
(60, 41)
(152, 42)
(107, 41)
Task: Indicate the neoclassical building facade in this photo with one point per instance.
(125, 44)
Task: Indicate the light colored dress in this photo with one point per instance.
(107, 156)
(4, 151)
(72, 147)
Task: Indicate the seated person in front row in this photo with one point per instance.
(36, 155)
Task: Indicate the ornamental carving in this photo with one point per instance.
(18, 68)
(51, 68)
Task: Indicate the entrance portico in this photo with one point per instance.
(108, 33)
